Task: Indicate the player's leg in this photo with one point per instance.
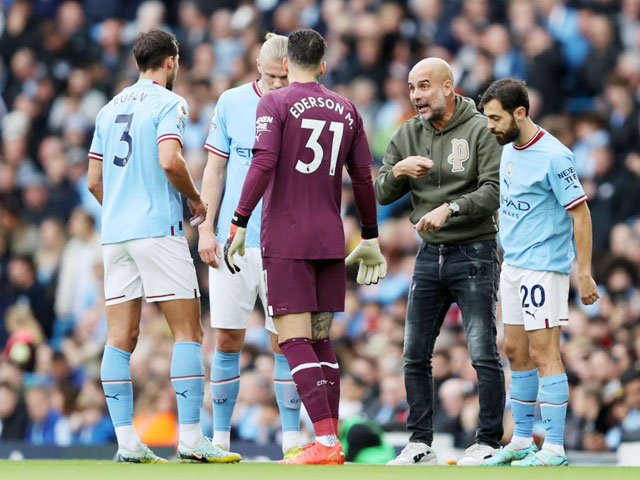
(123, 291)
(320, 326)
(123, 322)
(427, 306)
(187, 371)
(283, 385)
(524, 373)
(554, 387)
(169, 278)
(231, 301)
(294, 331)
(331, 277)
(472, 273)
(288, 401)
(545, 296)
(291, 294)
(225, 382)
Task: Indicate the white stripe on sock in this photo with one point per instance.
(332, 365)
(224, 382)
(304, 366)
(524, 402)
(189, 377)
(555, 405)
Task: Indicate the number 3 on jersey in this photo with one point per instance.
(316, 127)
(126, 119)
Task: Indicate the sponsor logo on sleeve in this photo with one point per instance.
(182, 109)
(180, 123)
(262, 125)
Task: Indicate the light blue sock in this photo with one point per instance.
(116, 383)
(225, 382)
(554, 396)
(286, 395)
(187, 378)
(524, 392)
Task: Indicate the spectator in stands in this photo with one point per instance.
(13, 413)
(46, 425)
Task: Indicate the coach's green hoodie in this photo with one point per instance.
(467, 166)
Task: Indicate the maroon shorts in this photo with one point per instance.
(298, 286)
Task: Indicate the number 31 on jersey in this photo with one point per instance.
(317, 127)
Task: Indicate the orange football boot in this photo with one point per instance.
(316, 453)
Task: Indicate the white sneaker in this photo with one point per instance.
(415, 453)
(476, 454)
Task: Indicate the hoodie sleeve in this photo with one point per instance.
(388, 187)
(484, 201)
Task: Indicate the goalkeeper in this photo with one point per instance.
(446, 157)
(305, 135)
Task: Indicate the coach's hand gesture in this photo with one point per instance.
(414, 166)
(434, 220)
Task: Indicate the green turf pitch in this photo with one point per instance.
(103, 470)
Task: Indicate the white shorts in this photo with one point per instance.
(532, 298)
(233, 296)
(157, 268)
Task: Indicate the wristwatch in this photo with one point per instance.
(454, 209)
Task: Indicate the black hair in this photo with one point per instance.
(510, 92)
(152, 48)
(306, 48)
(629, 376)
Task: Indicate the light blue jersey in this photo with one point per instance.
(232, 134)
(139, 201)
(538, 185)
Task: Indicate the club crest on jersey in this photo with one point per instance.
(459, 154)
(508, 171)
(182, 109)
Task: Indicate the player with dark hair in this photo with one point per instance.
(305, 134)
(137, 172)
(542, 209)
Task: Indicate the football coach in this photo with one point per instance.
(448, 160)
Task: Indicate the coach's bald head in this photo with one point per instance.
(431, 90)
(433, 68)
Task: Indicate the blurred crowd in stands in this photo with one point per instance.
(61, 61)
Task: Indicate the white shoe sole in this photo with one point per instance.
(426, 463)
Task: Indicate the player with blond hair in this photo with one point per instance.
(232, 297)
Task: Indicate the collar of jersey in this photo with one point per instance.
(148, 81)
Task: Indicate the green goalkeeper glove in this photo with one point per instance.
(373, 265)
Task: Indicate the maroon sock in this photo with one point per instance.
(331, 371)
(310, 382)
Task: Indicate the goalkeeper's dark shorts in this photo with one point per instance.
(298, 286)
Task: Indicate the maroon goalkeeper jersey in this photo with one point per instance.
(305, 133)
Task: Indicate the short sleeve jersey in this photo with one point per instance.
(138, 200)
(231, 135)
(313, 133)
(538, 185)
